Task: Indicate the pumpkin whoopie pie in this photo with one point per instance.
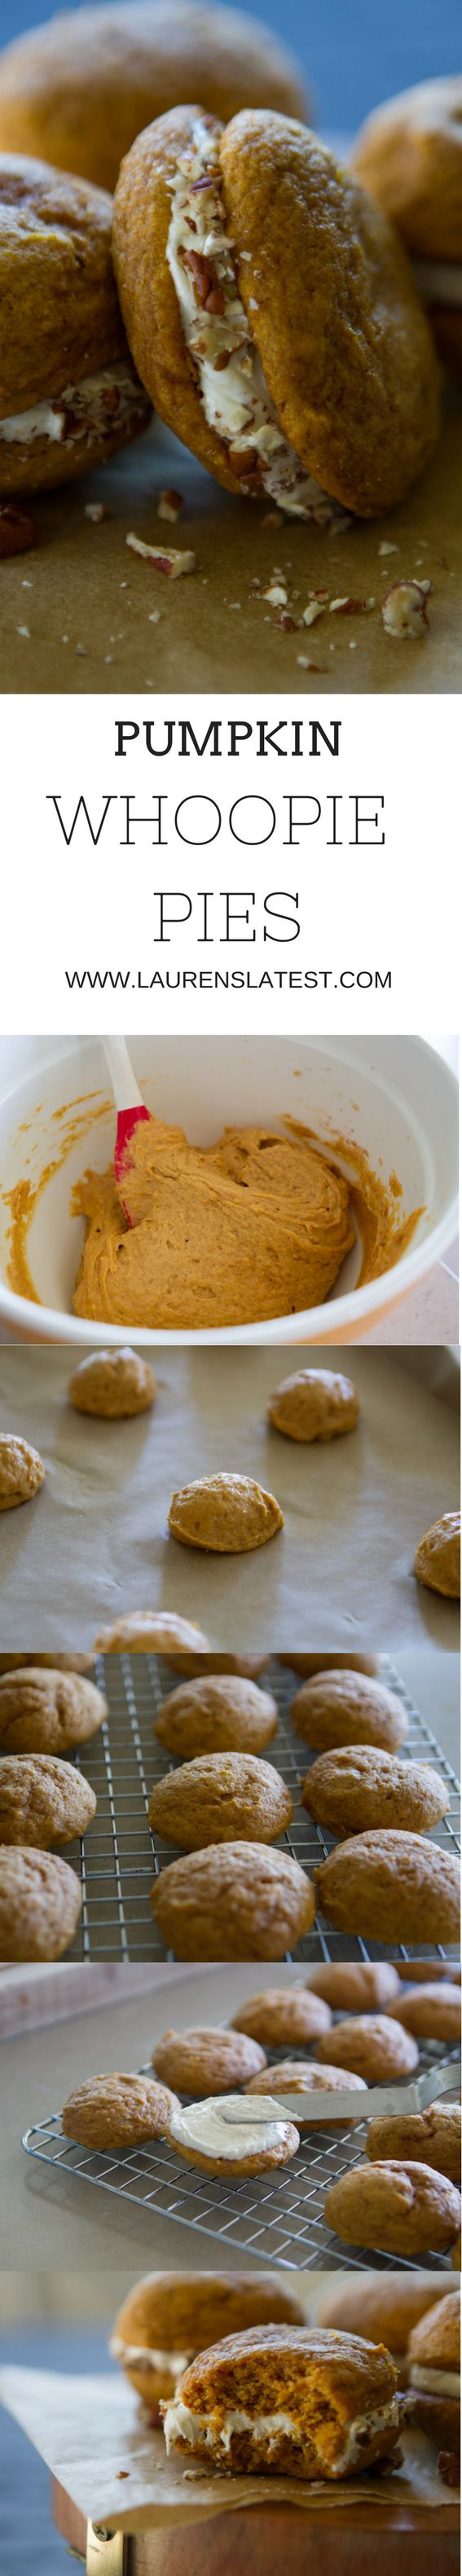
(272, 314)
(79, 89)
(409, 154)
(68, 391)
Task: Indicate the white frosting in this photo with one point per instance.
(235, 397)
(88, 406)
(226, 2126)
(180, 2422)
(144, 2357)
(436, 2383)
(440, 281)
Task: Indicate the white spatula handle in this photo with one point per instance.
(126, 1090)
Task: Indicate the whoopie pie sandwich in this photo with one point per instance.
(409, 154)
(69, 395)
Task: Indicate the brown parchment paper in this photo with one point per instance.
(92, 2437)
(76, 610)
(94, 1542)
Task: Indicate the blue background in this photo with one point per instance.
(29, 2543)
(355, 52)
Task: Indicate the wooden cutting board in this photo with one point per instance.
(280, 2537)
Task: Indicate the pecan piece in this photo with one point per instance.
(201, 273)
(17, 530)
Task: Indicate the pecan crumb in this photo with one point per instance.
(276, 595)
(169, 560)
(17, 530)
(169, 505)
(404, 609)
(286, 621)
(95, 510)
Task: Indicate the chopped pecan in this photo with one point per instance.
(17, 530)
(168, 559)
(243, 461)
(201, 273)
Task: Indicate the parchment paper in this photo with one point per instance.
(90, 2433)
(94, 1542)
(76, 611)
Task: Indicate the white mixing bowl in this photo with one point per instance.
(394, 1096)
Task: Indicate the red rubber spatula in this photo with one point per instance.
(130, 1110)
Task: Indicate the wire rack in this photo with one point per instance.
(121, 1857)
(276, 2217)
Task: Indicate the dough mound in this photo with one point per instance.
(283, 2016)
(40, 1903)
(233, 1901)
(202, 2062)
(409, 154)
(315, 1404)
(79, 89)
(112, 1384)
(372, 2046)
(151, 1632)
(220, 1798)
(434, 2012)
(351, 1986)
(391, 1887)
(348, 1708)
(397, 2208)
(57, 1663)
(117, 2111)
(437, 1563)
(225, 1514)
(432, 2137)
(298, 2075)
(218, 1715)
(43, 1801)
(48, 1712)
(360, 1786)
(310, 1665)
(21, 1471)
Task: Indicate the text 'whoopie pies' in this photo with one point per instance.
(272, 314)
(68, 391)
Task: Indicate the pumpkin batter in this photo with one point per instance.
(254, 1226)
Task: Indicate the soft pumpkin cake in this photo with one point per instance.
(297, 2402)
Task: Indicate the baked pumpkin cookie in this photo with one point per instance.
(314, 1404)
(207, 2061)
(383, 2305)
(391, 1887)
(437, 1563)
(117, 2111)
(21, 1470)
(346, 1707)
(57, 1663)
(43, 1801)
(360, 1786)
(225, 1514)
(219, 1714)
(283, 2017)
(233, 1901)
(401, 2209)
(298, 2075)
(432, 2011)
(371, 2044)
(48, 1712)
(297, 2403)
(225, 2135)
(40, 1903)
(112, 1384)
(272, 314)
(409, 154)
(218, 1798)
(434, 2375)
(432, 2137)
(81, 87)
(355, 1985)
(68, 391)
(170, 2316)
(311, 1665)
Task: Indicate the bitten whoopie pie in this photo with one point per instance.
(409, 154)
(291, 2401)
(272, 314)
(68, 391)
(80, 88)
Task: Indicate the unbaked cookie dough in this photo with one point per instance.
(112, 1384)
(220, 1798)
(401, 2209)
(359, 1786)
(223, 2135)
(40, 1903)
(118, 2111)
(314, 1404)
(437, 1563)
(48, 1712)
(221, 1714)
(43, 1800)
(225, 1514)
(21, 1471)
(233, 1901)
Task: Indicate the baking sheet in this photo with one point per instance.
(94, 1543)
(76, 610)
(90, 2433)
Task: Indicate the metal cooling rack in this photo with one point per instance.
(276, 2217)
(121, 1856)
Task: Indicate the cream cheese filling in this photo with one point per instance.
(435, 2383)
(90, 406)
(143, 2357)
(440, 281)
(180, 2422)
(217, 331)
(224, 2126)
